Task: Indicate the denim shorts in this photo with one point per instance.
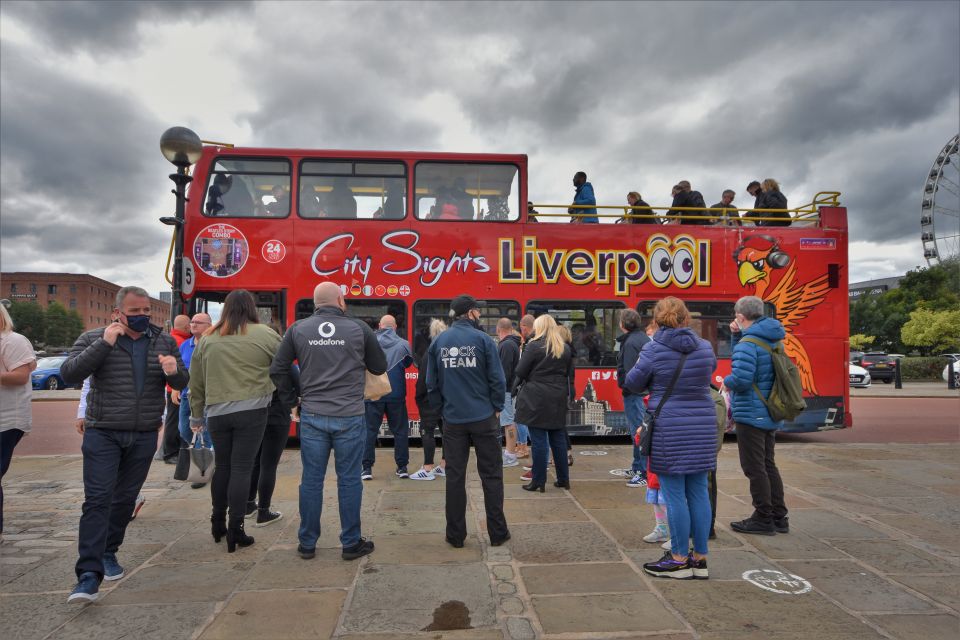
(506, 414)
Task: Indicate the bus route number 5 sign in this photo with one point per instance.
(273, 251)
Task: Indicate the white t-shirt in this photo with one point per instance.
(15, 351)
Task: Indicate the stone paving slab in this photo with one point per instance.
(882, 561)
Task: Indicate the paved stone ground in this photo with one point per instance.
(874, 531)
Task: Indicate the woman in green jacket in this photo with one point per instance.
(230, 386)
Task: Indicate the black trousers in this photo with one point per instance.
(712, 490)
(263, 479)
(428, 433)
(170, 445)
(8, 440)
(485, 437)
(236, 440)
(756, 460)
(115, 465)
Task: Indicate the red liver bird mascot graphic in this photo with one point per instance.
(756, 257)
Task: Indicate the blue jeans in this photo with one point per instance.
(115, 465)
(185, 433)
(544, 441)
(688, 510)
(345, 436)
(633, 407)
(523, 434)
(398, 424)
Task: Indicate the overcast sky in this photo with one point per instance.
(856, 97)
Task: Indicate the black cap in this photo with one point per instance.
(462, 304)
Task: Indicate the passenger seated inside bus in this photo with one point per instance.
(221, 185)
(281, 202)
(341, 202)
(461, 199)
(393, 205)
(309, 205)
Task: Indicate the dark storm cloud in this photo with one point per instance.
(80, 167)
(106, 27)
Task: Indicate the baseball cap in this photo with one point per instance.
(462, 304)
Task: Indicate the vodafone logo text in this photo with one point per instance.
(326, 331)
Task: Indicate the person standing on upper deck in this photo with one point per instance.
(729, 211)
(584, 196)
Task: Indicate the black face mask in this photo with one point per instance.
(138, 323)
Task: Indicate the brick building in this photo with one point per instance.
(88, 295)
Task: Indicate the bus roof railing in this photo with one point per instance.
(805, 213)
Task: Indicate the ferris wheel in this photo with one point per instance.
(940, 209)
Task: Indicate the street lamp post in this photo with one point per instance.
(181, 147)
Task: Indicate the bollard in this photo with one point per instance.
(952, 375)
(897, 380)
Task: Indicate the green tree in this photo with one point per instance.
(932, 331)
(29, 320)
(860, 342)
(63, 327)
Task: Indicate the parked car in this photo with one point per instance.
(855, 357)
(956, 367)
(880, 365)
(859, 377)
(47, 374)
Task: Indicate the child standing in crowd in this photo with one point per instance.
(661, 532)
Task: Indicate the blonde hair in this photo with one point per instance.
(671, 312)
(565, 333)
(546, 327)
(437, 327)
(6, 322)
(771, 185)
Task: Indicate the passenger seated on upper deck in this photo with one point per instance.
(340, 200)
(634, 200)
(221, 185)
(689, 198)
(584, 196)
(461, 199)
(531, 213)
(730, 215)
(281, 204)
(445, 208)
(773, 198)
(393, 205)
(309, 205)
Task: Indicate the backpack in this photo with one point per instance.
(786, 398)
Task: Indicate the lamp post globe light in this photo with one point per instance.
(182, 147)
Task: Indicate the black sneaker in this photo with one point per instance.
(366, 474)
(251, 510)
(667, 567)
(402, 472)
(306, 554)
(782, 525)
(754, 526)
(266, 517)
(699, 568)
(498, 541)
(456, 544)
(362, 548)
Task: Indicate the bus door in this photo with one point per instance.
(271, 305)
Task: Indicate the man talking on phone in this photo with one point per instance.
(130, 362)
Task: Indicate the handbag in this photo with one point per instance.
(195, 464)
(645, 439)
(376, 386)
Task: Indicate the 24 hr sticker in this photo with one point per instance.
(273, 251)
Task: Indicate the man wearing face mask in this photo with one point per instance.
(130, 362)
(465, 382)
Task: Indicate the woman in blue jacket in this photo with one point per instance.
(684, 447)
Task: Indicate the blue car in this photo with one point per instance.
(47, 374)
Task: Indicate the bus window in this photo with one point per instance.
(709, 320)
(304, 309)
(452, 191)
(352, 189)
(594, 327)
(370, 311)
(244, 187)
(426, 310)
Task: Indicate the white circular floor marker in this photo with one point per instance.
(777, 581)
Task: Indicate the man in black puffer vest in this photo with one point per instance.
(130, 361)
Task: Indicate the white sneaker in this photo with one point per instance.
(423, 474)
(659, 534)
(438, 472)
(666, 545)
(509, 459)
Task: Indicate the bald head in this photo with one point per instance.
(199, 323)
(181, 323)
(328, 294)
(526, 326)
(504, 327)
(388, 322)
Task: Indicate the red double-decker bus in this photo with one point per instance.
(405, 232)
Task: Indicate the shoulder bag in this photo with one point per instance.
(645, 437)
(196, 463)
(376, 386)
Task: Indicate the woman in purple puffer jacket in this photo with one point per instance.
(684, 447)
